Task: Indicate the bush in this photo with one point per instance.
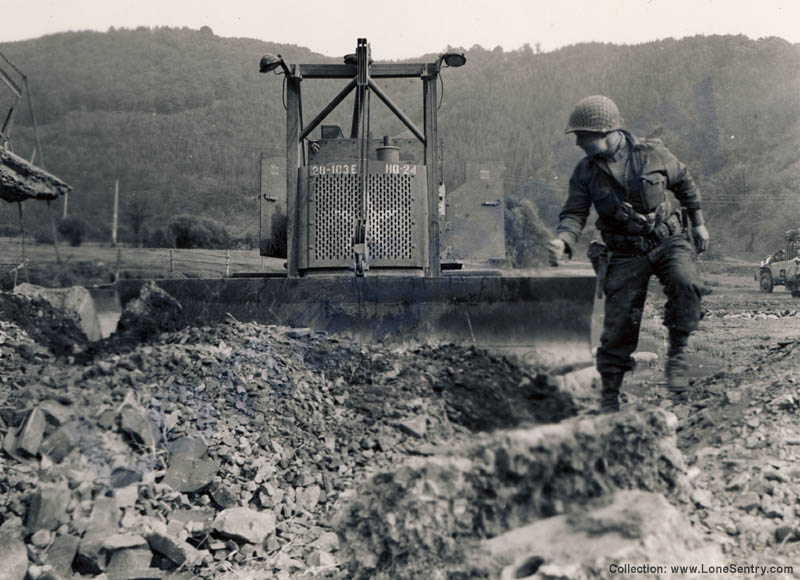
(9, 231)
(190, 231)
(158, 238)
(73, 229)
(526, 234)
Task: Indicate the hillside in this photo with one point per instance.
(180, 117)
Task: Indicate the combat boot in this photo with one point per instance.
(677, 367)
(609, 394)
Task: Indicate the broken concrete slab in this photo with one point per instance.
(245, 524)
(75, 302)
(634, 527)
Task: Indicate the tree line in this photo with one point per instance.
(180, 118)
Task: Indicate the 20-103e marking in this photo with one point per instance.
(352, 169)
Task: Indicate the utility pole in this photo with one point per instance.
(116, 212)
(66, 195)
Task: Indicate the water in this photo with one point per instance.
(108, 308)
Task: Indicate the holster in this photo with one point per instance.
(598, 255)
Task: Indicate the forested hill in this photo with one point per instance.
(180, 117)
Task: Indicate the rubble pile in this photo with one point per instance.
(431, 512)
(755, 314)
(205, 450)
(55, 333)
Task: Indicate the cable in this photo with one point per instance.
(441, 96)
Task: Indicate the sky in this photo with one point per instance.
(410, 28)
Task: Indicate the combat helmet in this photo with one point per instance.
(596, 113)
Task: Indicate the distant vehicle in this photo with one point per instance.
(783, 267)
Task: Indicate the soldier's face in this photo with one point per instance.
(591, 143)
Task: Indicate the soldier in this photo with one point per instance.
(626, 179)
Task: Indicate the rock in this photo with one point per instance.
(61, 553)
(320, 558)
(124, 560)
(125, 476)
(768, 507)
(747, 501)
(143, 573)
(14, 557)
(784, 532)
(223, 496)
(285, 563)
(200, 519)
(635, 526)
(56, 412)
(326, 542)
(47, 508)
(152, 312)
(299, 332)
(103, 524)
(30, 436)
(59, 444)
(415, 426)
(644, 359)
(123, 542)
(176, 550)
(126, 496)
(733, 397)
(308, 497)
(189, 474)
(245, 524)
(702, 498)
(187, 447)
(134, 422)
(42, 538)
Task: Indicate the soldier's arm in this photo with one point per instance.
(574, 214)
(681, 183)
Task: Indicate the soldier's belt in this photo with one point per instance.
(643, 243)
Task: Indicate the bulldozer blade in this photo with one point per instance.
(546, 320)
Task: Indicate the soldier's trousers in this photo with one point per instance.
(673, 263)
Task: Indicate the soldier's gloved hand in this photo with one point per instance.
(557, 250)
(700, 235)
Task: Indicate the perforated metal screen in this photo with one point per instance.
(333, 216)
(395, 216)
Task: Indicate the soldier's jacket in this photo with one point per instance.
(652, 171)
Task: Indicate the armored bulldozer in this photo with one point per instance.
(782, 267)
(357, 221)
